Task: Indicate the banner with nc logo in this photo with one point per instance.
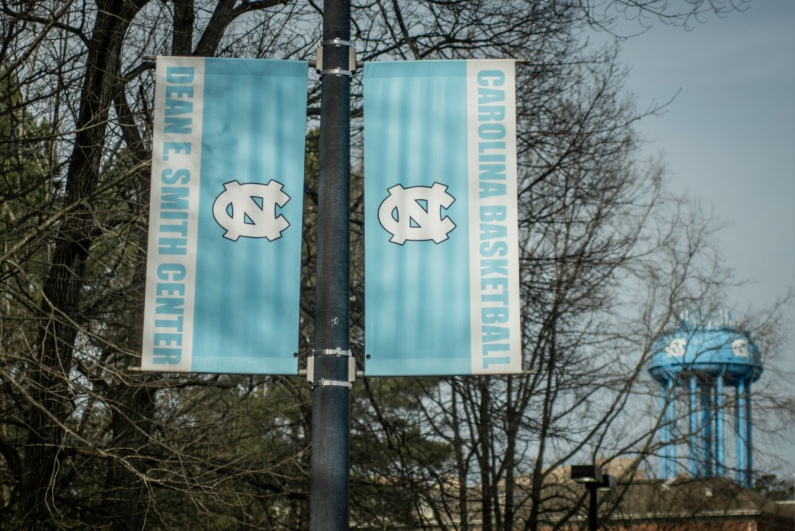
(224, 259)
(441, 245)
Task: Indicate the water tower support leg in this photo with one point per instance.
(694, 431)
(706, 429)
(664, 437)
(720, 458)
(741, 432)
(671, 420)
(749, 447)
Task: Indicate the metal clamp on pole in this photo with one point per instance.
(336, 41)
(331, 352)
(352, 66)
(310, 367)
(337, 71)
(337, 383)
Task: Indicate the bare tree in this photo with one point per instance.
(87, 442)
(88, 433)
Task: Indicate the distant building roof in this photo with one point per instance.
(703, 503)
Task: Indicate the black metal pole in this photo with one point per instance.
(592, 508)
(330, 461)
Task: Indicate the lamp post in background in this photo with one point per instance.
(594, 480)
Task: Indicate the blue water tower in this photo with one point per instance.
(705, 357)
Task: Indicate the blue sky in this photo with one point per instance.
(728, 139)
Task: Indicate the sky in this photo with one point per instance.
(728, 139)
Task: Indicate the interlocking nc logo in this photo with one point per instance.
(741, 348)
(676, 348)
(249, 210)
(415, 213)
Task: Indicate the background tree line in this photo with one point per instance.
(608, 258)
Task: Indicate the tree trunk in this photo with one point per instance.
(484, 427)
(124, 496)
(59, 328)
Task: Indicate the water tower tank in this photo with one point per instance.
(705, 357)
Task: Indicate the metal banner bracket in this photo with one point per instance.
(352, 66)
(310, 368)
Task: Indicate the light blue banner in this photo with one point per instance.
(223, 277)
(425, 279)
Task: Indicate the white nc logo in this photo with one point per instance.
(676, 348)
(415, 213)
(741, 348)
(249, 210)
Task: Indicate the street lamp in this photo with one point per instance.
(594, 480)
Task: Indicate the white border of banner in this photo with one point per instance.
(164, 276)
(489, 292)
